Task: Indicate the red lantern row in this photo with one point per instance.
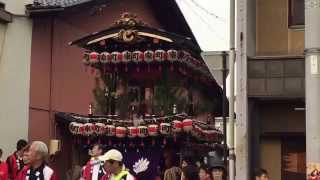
(147, 56)
(207, 135)
(101, 129)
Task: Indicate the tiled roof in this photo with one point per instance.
(59, 3)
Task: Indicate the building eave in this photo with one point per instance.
(5, 16)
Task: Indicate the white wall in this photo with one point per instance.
(14, 82)
(16, 6)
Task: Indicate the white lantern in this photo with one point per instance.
(160, 55)
(86, 58)
(172, 55)
(165, 128)
(176, 126)
(126, 56)
(105, 57)
(187, 125)
(110, 130)
(116, 57)
(132, 132)
(137, 56)
(89, 129)
(100, 128)
(142, 131)
(148, 56)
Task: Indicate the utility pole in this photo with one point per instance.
(312, 73)
(232, 56)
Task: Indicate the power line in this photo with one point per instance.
(204, 21)
(206, 11)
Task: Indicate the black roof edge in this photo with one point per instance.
(32, 11)
(5, 16)
(179, 39)
(173, 12)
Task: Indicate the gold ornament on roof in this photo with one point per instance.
(129, 19)
(127, 35)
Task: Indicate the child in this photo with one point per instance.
(204, 173)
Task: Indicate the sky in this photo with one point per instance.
(209, 22)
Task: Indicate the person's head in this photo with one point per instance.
(190, 173)
(0, 153)
(25, 156)
(112, 161)
(203, 173)
(97, 150)
(37, 152)
(261, 174)
(21, 144)
(217, 172)
(184, 163)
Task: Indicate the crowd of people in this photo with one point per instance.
(28, 162)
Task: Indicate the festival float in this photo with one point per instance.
(152, 90)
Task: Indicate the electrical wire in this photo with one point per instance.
(204, 21)
(207, 11)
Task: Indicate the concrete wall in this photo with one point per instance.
(276, 77)
(273, 35)
(15, 46)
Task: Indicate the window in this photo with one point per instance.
(296, 13)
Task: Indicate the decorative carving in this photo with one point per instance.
(128, 35)
(129, 19)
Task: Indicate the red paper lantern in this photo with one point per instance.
(100, 128)
(172, 55)
(142, 131)
(94, 57)
(176, 126)
(165, 128)
(148, 56)
(110, 130)
(187, 125)
(132, 132)
(126, 56)
(137, 56)
(160, 55)
(86, 58)
(153, 130)
(121, 132)
(105, 57)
